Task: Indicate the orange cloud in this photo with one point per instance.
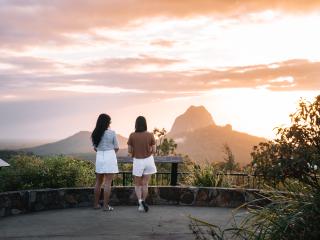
(287, 75)
(25, 23)
(117, 74)
(131, 62)
(163, 43)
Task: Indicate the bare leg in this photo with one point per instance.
(107, 188)
(138, 187)
(97, 189)
(145, 181)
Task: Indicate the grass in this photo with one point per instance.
(293, 214)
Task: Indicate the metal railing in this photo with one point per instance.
(241, 180)
(245, 180)
(125, 178)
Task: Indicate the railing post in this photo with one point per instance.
(123, 179)
(174, 174)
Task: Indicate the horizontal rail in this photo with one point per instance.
(157, 159)
(125, 178)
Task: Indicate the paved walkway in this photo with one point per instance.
(161, 222)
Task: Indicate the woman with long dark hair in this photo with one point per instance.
(106, 145)
(141, 145)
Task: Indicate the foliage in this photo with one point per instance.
(229, 163)
(165, 146)
(32, 172)
(293, 159)
(291, 215)
(295, 153)
(207, 175)
(6, 155)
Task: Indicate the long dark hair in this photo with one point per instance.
(141, 124)
(102, 124)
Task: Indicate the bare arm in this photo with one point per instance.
(153, 145)
(115, 143)
(130, 150)
(153, 149)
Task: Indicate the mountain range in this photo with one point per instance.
(194, 131)
(76, 144)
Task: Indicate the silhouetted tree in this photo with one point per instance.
(229, 163)
(296, 151)
(165, 146)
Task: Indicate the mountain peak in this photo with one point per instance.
(193, 108)
(82, 133)
(195, 117)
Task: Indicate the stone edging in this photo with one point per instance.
(19, 202)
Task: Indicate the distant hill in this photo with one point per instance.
(16, 144)
(203, 141)
(76, 144)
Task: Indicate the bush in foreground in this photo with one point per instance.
(294, 214)
(207, 175)
(34, 172)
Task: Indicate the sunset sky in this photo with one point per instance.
(62, 62)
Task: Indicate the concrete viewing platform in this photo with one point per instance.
(125, 222)
(66, 213)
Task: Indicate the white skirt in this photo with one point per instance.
(106, 162)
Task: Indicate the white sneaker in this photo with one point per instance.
(141, 208)
(108, 208)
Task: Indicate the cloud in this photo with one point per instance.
(94, 89)
(130, 62)
(38, 23)
(288, 75)
(114, 76)
(163, 43)
(27, 63)
(33, 73)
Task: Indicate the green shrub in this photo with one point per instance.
(294, 214)
(291, 215)
(207, 175)
(34, 172)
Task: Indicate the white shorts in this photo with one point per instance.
(143, 166)
(106, 162)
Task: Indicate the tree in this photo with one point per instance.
(230, 163)
(293, 158)
(295, 153)
(167, 147)
(164, 146)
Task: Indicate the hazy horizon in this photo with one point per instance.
(62, 63)
(47, 140)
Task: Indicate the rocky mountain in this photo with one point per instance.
(73, 145)
(192, 119)
(199, 137)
